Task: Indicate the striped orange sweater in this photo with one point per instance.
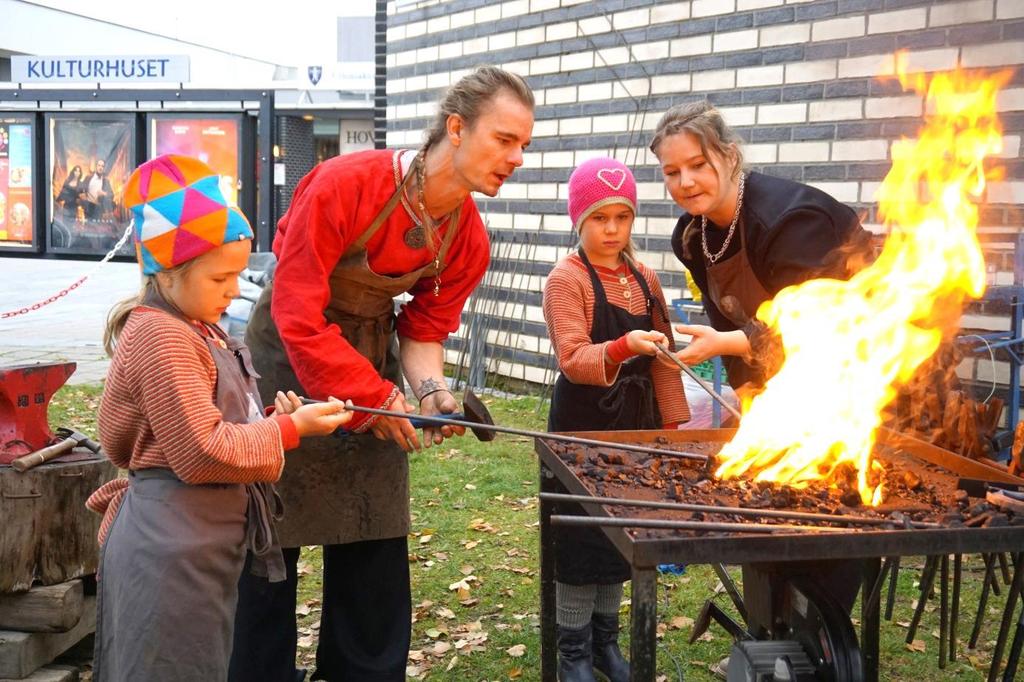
(569, 314)
(158, 410)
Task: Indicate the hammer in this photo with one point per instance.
(72, 439)
(478, 419)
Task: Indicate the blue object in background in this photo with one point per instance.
(672, 569)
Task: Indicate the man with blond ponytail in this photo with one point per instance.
(361, 230)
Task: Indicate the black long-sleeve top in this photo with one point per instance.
(793, 233)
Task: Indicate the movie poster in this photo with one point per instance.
(90, 160)
(212, 140)
(16, 220)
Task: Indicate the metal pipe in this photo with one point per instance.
(632, 522)
(738, 511)
(591, 442)
(700, 380)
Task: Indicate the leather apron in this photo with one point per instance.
(345, 489)
(171, 561)
(734, 277)
(585, 556)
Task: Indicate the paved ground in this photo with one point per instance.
(72, 327)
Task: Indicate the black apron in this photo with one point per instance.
(170, 563)
(585, 556)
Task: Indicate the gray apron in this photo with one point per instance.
(169, 567)
(345, 489)
(737, 292)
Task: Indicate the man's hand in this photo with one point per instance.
(397, 429)
(438, 403)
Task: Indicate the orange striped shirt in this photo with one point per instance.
(158, 410)
(569, 314)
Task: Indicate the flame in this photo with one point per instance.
(850, 344)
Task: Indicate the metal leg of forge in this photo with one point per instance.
(643, 625)
(870, 617)
(548, 625)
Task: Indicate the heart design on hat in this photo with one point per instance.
(605, 174)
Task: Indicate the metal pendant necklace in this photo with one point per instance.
(713, 257)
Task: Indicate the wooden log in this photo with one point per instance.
(22, 653)
(48, 608)
(50, 673)
(47, 536)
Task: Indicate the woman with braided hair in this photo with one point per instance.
(362, 229)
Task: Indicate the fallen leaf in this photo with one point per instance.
(445, 612)
(471, 544)
(433, 633)
(680, 622)
(302, 610)
(470, 486)
(706, 637)
(424, 539)
(441, 648)
(466, 570)
(470, 602)
(916, 645)
(305, 642)
(416, 655)
(515, 673)
(516, 651)
(451, 663)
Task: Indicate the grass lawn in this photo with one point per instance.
(474, 563)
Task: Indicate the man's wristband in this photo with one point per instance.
(435, 390)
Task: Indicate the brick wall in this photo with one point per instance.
(796, 79)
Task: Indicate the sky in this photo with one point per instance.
(306, 34)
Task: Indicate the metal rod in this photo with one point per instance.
(738, 511)
(632, 522)
(894, 576)
(700, 380)
(730, 588)
(594, 443)
(954, 616)
(943, 610)
(986, 584)
(931, 567)
(1008, 612)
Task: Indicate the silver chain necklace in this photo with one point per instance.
(713, 257)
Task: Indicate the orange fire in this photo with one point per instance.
(850, 345)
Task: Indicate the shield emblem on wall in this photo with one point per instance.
(314, 74)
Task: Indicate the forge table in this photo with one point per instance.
(645, 554)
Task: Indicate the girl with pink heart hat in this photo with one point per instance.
(605, 311)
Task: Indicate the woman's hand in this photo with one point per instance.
(642, 342)
(398, 429)
(319, 419)
(439, 403)
(708, 342)
(286, 404)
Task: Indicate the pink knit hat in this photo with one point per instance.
(596, 183)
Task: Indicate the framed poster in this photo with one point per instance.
(89, 157)
(17, 200)
(211, 138)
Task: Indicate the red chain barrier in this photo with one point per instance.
(37, 306)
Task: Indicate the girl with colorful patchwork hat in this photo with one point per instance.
(180, 411)
(605, 311)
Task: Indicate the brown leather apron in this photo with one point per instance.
(345, 489)
(171, 561)
(734, 277)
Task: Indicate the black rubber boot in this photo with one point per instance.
(575, 663)
(608, 659)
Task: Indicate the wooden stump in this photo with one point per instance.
(47, 536)
(51, 608)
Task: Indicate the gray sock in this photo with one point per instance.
(608, 599)
(574, 604)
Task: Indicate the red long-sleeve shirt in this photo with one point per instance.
(333, 205)
(158, 410)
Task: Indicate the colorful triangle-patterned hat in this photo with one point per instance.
(180, 212)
